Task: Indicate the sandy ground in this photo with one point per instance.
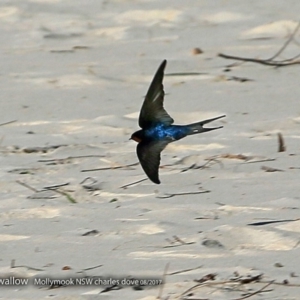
(73, 77)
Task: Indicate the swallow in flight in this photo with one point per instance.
(157, 129)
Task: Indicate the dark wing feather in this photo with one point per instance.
(149, 157)
(152, 111)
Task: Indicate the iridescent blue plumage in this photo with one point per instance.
(161, 131)
(157, 129)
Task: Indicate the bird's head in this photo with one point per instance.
(137, 136)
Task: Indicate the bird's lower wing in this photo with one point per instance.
(149, 157)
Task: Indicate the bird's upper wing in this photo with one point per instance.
(152, 111)
(149, 157)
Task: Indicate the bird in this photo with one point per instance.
(156, 126)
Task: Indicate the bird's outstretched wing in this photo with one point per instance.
(153, 111)
(149, 157)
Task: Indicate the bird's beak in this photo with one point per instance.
(210, 120)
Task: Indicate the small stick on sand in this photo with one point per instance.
(270, 61)
(237, 281)
(281, 145)
(161, 288)
(114, 287)
(205, 165)
(177, 240)
(56, 186)
(271, 222)
(92, 268)
(182, 194)
(283, 283)
(9, 122)
(184, 271)
(269, 169)
(43, 149)
(67, 195)
(12, 265)
(89, 178)
(133, 183)
(256, 292)
(27, 186)
(110, 168)
(69, 157)
(50, 188)
(258, 161)
(261, 61)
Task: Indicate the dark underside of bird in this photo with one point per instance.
(157, 129)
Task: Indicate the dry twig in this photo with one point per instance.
(271, 61)
(256, 292)
(161, 288)
(27, 186)
(9, 122)
(182, 194)
(12, 265)
(177, 240)
(110, 168)
(67, 195)
(205, 165)
(125, 186)
(50, 188)
(55, 161)
(281, 145)
(184, 271)
(262, 223)
(269, 169)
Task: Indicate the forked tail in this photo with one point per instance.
(198, 127)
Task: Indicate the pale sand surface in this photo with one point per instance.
(73, 76)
